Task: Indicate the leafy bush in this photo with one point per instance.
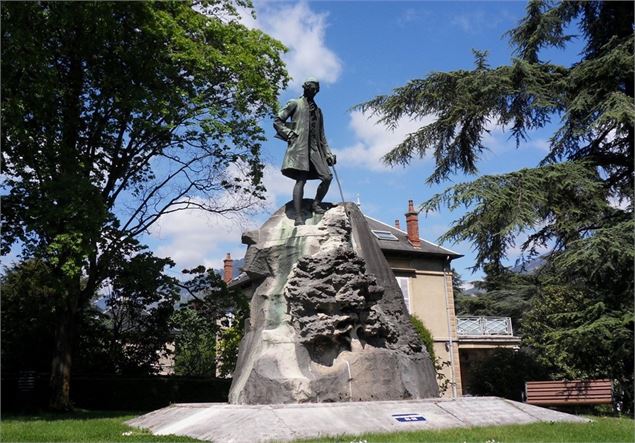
(424, 335)
(227, 349)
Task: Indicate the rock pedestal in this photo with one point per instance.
(328, 322)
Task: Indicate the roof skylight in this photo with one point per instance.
(384, 235)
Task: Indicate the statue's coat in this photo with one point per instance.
(296, 159)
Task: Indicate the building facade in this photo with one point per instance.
(423, 271)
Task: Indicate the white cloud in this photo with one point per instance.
(541, 144)
(467, 22)
(496, 138)
(619, 202)
(411, 16)
(279, 187)
(516, 253)
(303, 32)
(500, 139)
(475, 22)
(374, 140)
(194, 237)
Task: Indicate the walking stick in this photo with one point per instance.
(338, 183)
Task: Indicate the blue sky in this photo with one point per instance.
(359, 49)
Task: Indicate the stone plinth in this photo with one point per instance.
(328, 321)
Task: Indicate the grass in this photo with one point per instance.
(79, 426)
(602, 429)
(93, 426)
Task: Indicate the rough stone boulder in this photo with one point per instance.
(328, 321)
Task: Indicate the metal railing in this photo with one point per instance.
(484, 326)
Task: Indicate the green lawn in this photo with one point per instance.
(109, 427)
(602, 429)
(86, 426)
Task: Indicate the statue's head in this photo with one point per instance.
(311, 87)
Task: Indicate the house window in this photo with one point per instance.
(404, 284)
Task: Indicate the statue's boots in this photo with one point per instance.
(317, 209)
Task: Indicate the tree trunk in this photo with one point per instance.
(69, 283)
(61, 367)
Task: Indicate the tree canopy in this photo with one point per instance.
(577, 202)
(566, 198)
(115, 113)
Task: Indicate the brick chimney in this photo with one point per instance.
(412, 221)
(228, 268)
(397, 224)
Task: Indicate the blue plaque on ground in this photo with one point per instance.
(406, 418)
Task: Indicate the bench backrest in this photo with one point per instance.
(569, 392)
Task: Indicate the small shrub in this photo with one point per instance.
(424, 334)
(227, 350)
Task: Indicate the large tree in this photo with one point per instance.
(577, 201)
(115, 113)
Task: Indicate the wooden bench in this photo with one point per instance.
(571, 392)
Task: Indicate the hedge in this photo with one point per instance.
(117, 392)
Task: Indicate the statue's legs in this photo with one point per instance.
(298, 195)
(322, 189)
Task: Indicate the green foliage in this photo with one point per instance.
(595, 96)
(127, 338)
(204, 335)
(504, 372)
(426, 338)
(568, 197)
(195, 344)
(227, 348)
(115, 113)
(131, 334)
(27, 317)
(567, 202)
(583, 333)
(457, 283)
(115, 101)
(424, 334)
(601, 257)
(465, 103)
(231, 335)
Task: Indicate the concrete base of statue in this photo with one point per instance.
(286, 422)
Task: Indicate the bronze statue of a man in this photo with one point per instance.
(308, 156)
